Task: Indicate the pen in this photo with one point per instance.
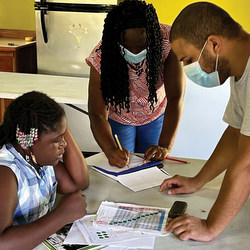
(119, 145)
(177, 160)
(118, 142)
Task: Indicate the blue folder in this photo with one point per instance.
(131, 170)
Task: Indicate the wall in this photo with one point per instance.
(16, 14)
(238, 9)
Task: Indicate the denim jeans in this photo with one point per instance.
(138, 138)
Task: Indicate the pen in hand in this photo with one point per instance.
(119, 144)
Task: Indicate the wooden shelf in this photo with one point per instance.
(16, 55)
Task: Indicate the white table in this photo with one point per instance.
(236, 236)
(72, 91)
(63, 89)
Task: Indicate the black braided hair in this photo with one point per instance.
(114, 68)
(31, 110)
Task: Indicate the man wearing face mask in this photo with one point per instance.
(213, 47)
(136, 86)
(200, 77)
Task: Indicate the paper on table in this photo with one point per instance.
(132, 179)
(143, 179)
(74, 236)
(123, 216)
(86, 232)
(135, 164)
(102, 161)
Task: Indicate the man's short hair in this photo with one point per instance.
(197, 21)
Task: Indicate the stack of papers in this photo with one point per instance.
(120, 226)
(136, 176)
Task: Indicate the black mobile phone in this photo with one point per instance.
(177, 209)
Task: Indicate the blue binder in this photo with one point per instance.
(134, 169)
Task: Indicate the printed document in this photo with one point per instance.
(121, 225)
(143, 219)
(136, 176)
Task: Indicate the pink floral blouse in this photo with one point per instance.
(140, 112)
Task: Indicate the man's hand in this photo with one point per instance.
(188, 227)
(180, 185)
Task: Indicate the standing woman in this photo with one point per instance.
(136, 87)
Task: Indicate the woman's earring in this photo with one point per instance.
(33, 158)
(27, 158)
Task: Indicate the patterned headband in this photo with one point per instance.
(26, 140)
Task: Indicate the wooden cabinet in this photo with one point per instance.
(16, 55)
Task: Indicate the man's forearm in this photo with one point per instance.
(234, 192)
(221, 158)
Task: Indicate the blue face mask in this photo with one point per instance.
(200, 77)
(131, 57)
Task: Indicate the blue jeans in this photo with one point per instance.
(138, 138)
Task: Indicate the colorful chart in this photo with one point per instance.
(135, 217)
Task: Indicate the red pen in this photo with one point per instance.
(177, 160)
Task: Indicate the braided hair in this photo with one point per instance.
(31, 110)
(114, 68)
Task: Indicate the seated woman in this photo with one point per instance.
(38, 156)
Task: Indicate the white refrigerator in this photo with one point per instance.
(66, 33)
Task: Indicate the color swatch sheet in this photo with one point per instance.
(133, 217)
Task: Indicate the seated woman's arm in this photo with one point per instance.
(71, 174)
